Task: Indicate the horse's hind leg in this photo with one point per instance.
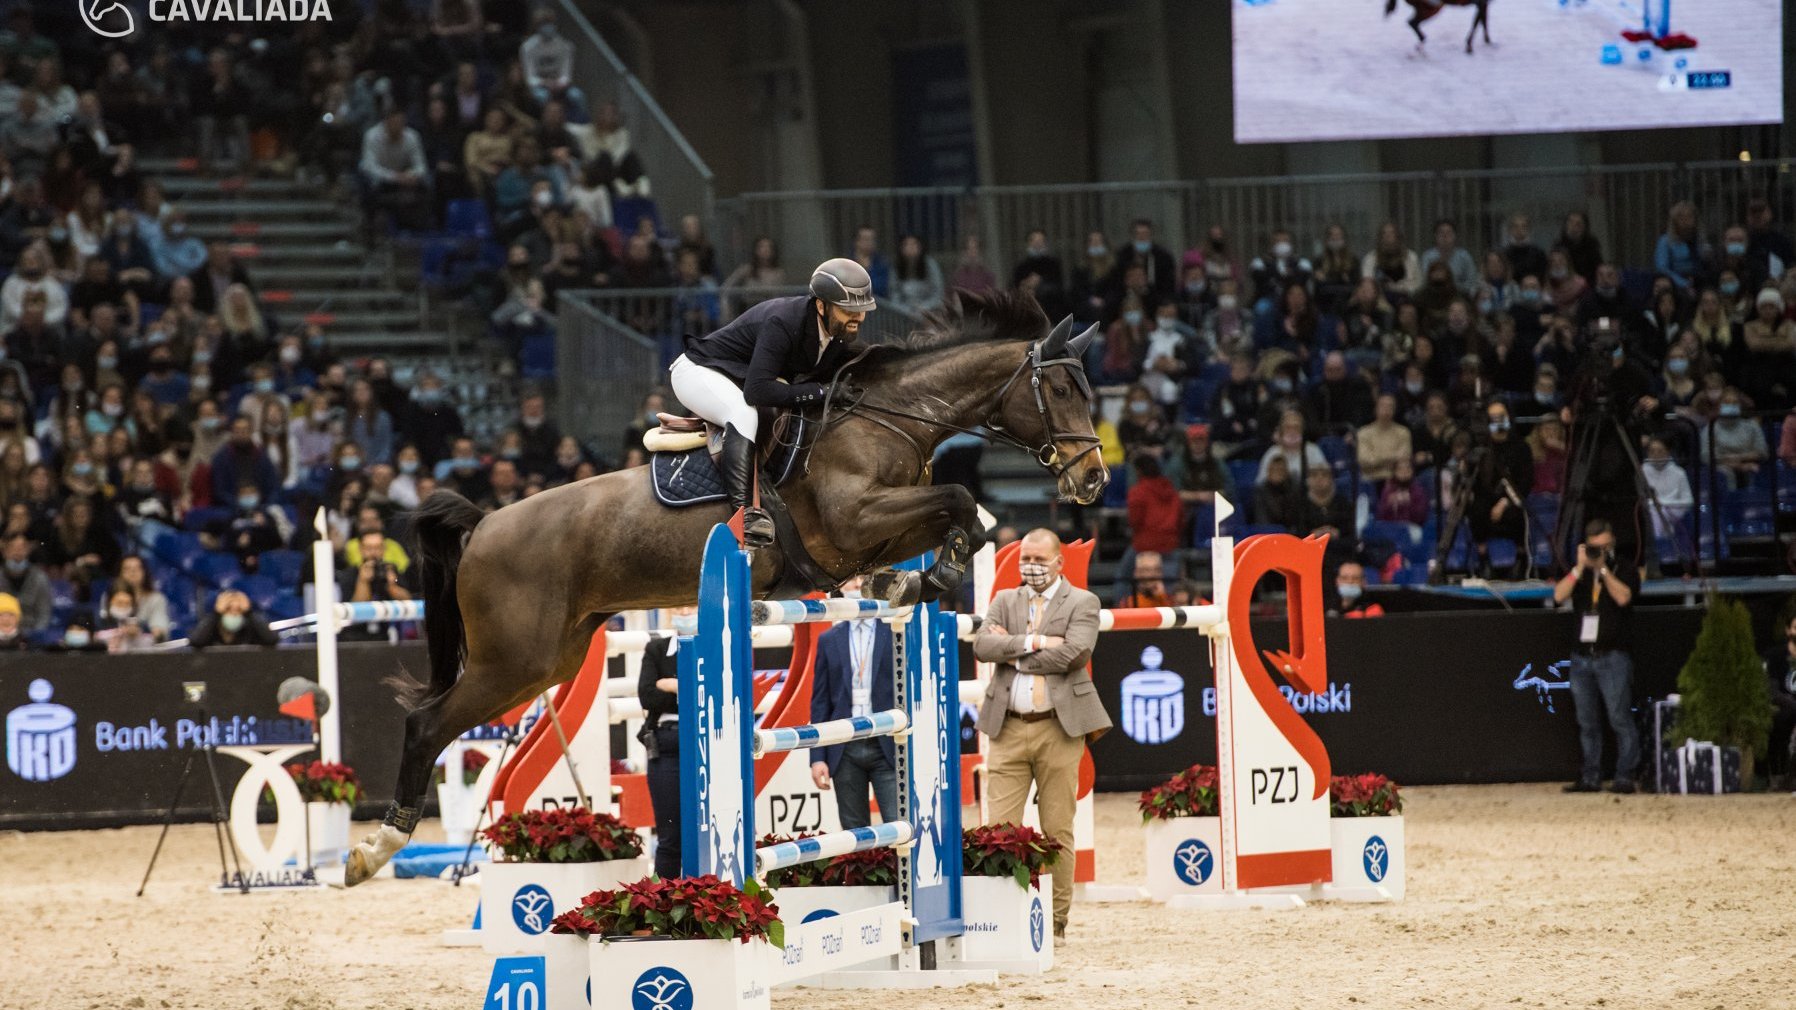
(1484, 21)
(1415, 25)
(486, 690)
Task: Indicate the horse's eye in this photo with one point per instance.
(1060, 390)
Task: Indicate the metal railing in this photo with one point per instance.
(603, 369)
(613, 345)
(1627, 205)
(680, 179)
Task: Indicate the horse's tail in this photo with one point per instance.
(1390, 7)
(441, 525)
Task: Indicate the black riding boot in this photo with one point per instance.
(737, 461)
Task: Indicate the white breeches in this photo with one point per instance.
(712, 395)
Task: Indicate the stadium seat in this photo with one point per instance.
(284, 567)
(260, 589)
(628, 211)
(468, 218)
(215, 568)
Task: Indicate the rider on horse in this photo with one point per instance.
(770, 356)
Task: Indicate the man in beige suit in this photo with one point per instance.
(1041, 706)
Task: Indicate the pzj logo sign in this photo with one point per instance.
(114, 20)
(40, 737)
(1153, 701)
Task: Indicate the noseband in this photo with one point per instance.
(1045, 453)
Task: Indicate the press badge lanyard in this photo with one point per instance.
(1587, 630)
(861, 689)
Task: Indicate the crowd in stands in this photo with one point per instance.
(1364, 391)
(166, 435)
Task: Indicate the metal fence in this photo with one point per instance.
(613, 345)
(1627, 206)
(680, 178)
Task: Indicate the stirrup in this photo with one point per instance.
(757, 528)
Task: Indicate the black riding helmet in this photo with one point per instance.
(843, 283)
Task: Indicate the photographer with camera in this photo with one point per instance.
(1602, 669)
(373, 579)
(1501, 480)
(1610, 409)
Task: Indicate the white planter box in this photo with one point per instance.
(799, 905)
(328, 826)
(518, 900)
(1007, 927)
(459, 816)
(689, 974)
(1368, 858)
(567, 966)
(1183, 856)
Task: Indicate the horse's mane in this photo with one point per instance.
(966, 317)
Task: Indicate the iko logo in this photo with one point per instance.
(1376, 858)
(40, 736)
(531, 909)
(109, 18)
(1193, 861)
(1153, 701)
(1038, 925)
(661, 989)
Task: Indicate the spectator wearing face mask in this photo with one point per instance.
(1143, 427)
(233, 621)
(1147, 582)
(78, 636)
(1156, 514)
(254, 526)
(1159, 271)
(462, 471)
(1501, 481)
(430, 421)
(1195, 470)
(1121, 354)
(1546, 443)
(1393, 265)
(1038, 261)
(1350, 587)
(1525, 258)
(1342, 402)
(1563, 287)
(1300, 455)
(1672, 498)
(1734, 442)
(118, 627)
(1402, 498)
(12, 634)
(1277, 271)
(1678, 382)
(1326, 512)
(1172, 352)
(539, 432)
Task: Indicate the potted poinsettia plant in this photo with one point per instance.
(1007, 897)
(330, 791)
(828, 887)
(461, 798)
(1183, 833)
(694, 942)
(1366, 829)
(544, 860)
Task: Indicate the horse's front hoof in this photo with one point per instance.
(359, 867)
(898, 589)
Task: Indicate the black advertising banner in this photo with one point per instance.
(1424, 698)
(94, 740)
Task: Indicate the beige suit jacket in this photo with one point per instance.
(1072, 615)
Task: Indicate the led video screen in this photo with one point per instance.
(1373, 69)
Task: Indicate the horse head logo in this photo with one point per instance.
(1193, 861)
(661, 989)
(530, 909)
(98, 13)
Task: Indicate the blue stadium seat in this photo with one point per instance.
(468, 218)
(1399, 535)
(1244, 471)
(1502, 553)
(196, 519)
(628, 211)
(215, 568)
(1116, 493)
(287, 604)
(536, 359)
(1216, 372)
(284, 567)
(260, 589)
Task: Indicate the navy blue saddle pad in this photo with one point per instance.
(691, 477)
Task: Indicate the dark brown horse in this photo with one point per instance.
(1425, 9)
(512, 597)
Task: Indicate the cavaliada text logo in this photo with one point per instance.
(115, 19)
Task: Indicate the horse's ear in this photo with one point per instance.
(1076, 346)
(1055, 345)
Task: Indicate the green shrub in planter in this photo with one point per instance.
(1725, 698)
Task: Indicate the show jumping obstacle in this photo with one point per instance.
(719, 744)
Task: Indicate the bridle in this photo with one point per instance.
(1045, 454)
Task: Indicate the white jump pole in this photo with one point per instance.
(330, 728)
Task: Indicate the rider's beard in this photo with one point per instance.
(838, 330)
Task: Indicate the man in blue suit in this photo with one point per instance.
(853, 676)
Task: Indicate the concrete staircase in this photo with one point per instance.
(302, 247)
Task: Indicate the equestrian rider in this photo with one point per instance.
(771, 356)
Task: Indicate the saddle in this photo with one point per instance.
(683, 455)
